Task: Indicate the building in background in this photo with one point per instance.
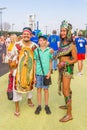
(32, 21)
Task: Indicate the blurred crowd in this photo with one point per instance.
(6, 45)
(7, 42)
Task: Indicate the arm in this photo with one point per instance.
(74, 55)
(49, 73)
(58, 43)
(50, 66)
(51, 51)
(70, 61)
(35, 57)
(34, 71)
(86, 51)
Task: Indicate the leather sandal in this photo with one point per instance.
(66, 118)
(63, 107)
(16, 113)
(30, 104)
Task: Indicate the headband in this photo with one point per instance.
(27, 29)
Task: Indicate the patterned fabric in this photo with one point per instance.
(23, 72)
(10, 82)
(64, 24)
(68, 100)
(24, 75)
(64, 71)
(67, 70)
(64, 49)
(68, 26)
(10, 87)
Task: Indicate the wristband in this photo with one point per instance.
(62, 63)
(67, 63)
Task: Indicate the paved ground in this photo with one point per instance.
(4, 68)
(29, 121)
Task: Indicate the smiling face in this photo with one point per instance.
(26, 36)
(42, 42)
(63, 33)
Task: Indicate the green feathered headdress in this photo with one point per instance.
(64, 24)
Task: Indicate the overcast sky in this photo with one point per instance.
(49, 13)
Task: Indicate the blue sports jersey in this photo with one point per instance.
(53, 40)
(80, 45)
(34, 39)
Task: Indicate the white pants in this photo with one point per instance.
(18, 96)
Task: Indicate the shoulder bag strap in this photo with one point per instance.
(40, 61)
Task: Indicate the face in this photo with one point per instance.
(42, 42)
(26, 36)
(13, 38)
(63, 33)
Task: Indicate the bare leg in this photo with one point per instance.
(65, 106)
(66, 93)
(46, 96)
(30, 103)
(39, 96)
(38, 109)
(80, 65)
(17, 109)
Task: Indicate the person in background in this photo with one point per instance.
(2, 49)
(67, 57)
(7, 42)
(13, 40)
(81, 46)
(34, 38)
(53, 43)
(19, 38)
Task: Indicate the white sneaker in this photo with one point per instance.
(79, 74)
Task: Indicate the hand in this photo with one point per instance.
(61, 65)
(51, 51)
(48, 75)
(86, 55)
(35, 80)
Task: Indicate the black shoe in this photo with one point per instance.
(47, 109)
(38, 109)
